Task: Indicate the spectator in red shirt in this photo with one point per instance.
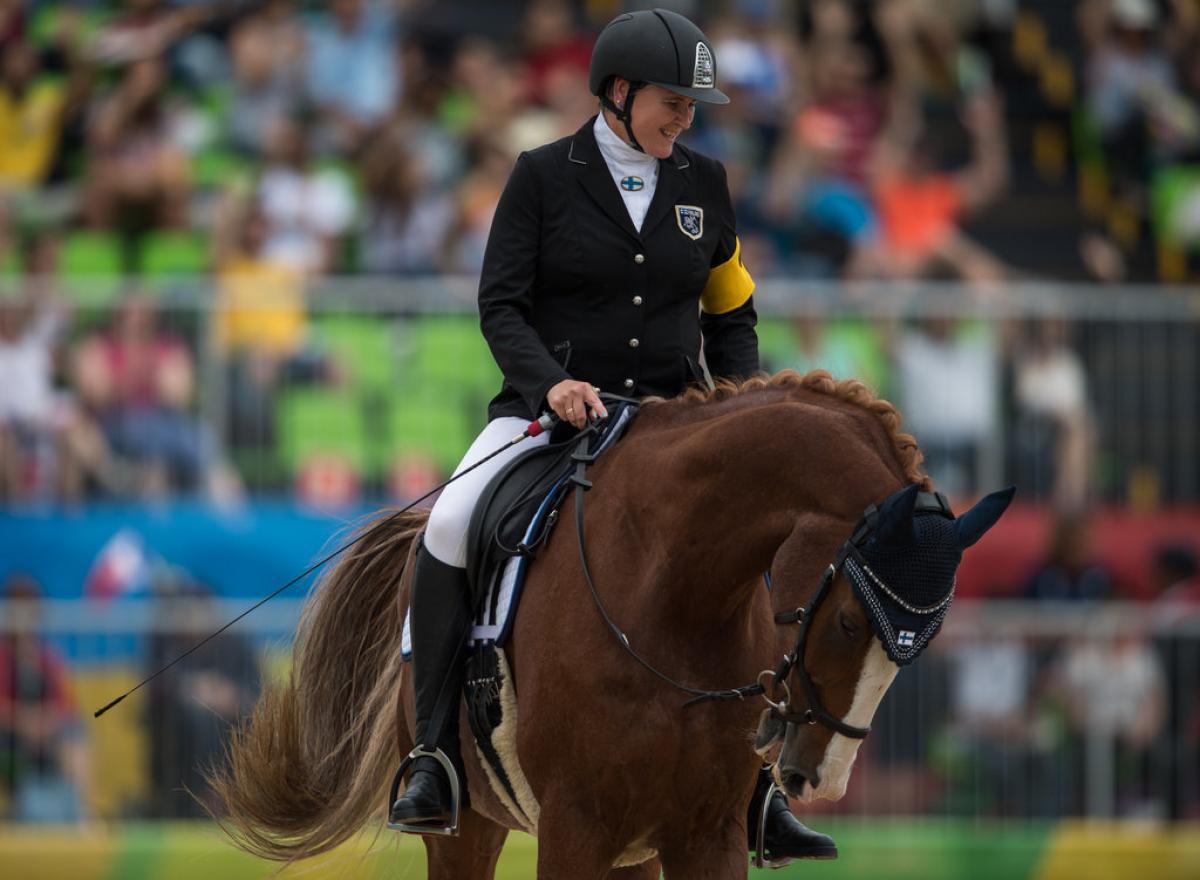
(43, 755)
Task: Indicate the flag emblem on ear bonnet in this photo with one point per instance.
(905, 573)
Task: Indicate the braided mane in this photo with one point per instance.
(847, 391)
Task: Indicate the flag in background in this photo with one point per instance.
(120, 568)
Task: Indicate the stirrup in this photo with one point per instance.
(450, 830)
(759, 859)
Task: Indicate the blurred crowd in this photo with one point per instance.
(864, 139)
(265, 145)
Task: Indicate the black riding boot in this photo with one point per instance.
(440, 616)
(785, 838)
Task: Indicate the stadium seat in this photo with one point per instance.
(88, 252)
(422, 420)
(1175, 205)
(448, 351)
(10, 271)
(363, 344)
(215, 169)
(175, 252)
(320, 421)
(777, 344)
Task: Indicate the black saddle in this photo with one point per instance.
(535, 481)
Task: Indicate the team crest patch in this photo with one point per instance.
(632, 183)
(703, 75)
(905, 638)
(690, 220)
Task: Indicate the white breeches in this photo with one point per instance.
(446, 533)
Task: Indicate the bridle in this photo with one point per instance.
(932, 502)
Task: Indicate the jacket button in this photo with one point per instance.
(638, 258)
(633, 343)
(628, 383)
(637, 300)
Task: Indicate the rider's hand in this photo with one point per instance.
(572, 400)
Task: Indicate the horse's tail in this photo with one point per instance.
(313, 762)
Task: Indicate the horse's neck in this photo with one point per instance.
(722, 496)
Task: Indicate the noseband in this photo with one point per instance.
(932, 502)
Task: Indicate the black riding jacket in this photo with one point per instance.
(570, 290)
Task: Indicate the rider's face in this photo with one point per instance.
(659, 117)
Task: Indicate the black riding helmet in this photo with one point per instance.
(656, 47)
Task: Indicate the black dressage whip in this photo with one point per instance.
(540, 426)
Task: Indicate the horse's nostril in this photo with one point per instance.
(793, 781)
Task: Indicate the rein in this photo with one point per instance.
(582, 459)
(816, 712)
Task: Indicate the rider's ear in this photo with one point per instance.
(972, 524)
(894, 525)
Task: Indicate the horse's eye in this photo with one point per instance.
(848, 625)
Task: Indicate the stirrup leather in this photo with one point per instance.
(759, 859)
(450, 830)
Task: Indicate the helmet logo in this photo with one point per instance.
(703, 77)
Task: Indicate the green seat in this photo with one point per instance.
(1085, 138)
(175, 252)
(214, 169)
(859, 351)
(320, 421)
(1175, 205)
(10, 269)
(426, 422)
(89, 262)
(449, 350)
(45, 21)
(89, 252)
(364, 344)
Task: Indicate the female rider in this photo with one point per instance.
(612, 256)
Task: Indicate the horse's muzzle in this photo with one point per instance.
(793, 780)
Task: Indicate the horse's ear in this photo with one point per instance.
(895, 523)
(972, 524)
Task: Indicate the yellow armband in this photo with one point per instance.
(729, 285)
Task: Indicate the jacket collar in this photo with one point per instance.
(593, 175)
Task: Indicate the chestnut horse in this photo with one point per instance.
(704, 494)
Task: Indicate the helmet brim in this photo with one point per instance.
(703, 96)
